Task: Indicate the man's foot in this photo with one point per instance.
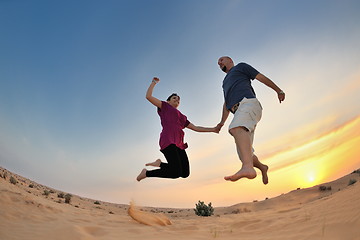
(264, 169)
(249, 173)
(142, 175)
(154, 164)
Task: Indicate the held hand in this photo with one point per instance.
(155, 80)
(218, 127)
(281, 96)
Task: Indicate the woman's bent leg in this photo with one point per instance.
(172, 169)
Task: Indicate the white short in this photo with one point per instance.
(247, 115)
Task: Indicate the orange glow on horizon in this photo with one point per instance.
(324, 159)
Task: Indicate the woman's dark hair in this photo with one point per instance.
(174, 94)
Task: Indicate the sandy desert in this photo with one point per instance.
(30, 210)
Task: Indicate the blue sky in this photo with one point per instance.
(73, 76)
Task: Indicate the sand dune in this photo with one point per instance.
(26, 213)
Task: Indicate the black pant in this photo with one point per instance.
(177, 164)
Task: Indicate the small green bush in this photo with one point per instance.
(68, 198)
(13, 180)
(46, 192)
(325, 188)
(201, 209)
(352, 181)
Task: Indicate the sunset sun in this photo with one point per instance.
(311, 178)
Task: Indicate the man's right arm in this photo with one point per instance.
(225, 114)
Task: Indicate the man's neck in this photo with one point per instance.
(228, 70)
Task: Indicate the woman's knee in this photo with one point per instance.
(176, 173)
(185, 175)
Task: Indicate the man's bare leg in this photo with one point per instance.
(263, 168)
(154, 164)
(243, 144)
(142, 175)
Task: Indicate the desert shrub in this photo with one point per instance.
(352, 181)
(322, 188)
(97, 202)
(201, 209)
(68, 198)
(46, 192)
(31, 185)
(13, 180)
(236, 211)
(61, 195)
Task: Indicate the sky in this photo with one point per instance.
(73, 78)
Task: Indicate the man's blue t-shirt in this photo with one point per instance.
(237, 84)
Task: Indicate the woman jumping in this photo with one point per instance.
(171, 138)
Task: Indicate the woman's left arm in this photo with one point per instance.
(202, 129)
